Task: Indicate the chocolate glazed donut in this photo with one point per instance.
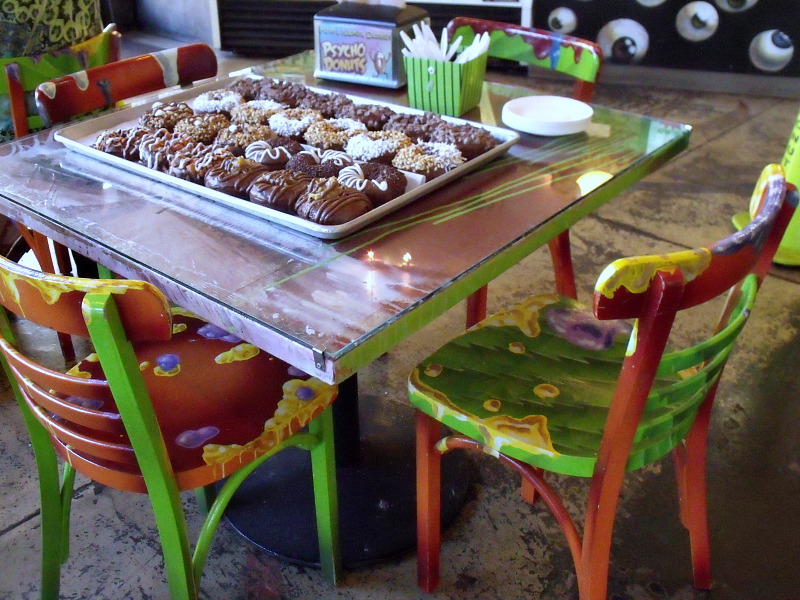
(233, 176)
(327, 202)
(278, 189)
(319, 164)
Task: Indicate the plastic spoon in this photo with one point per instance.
(453, 48)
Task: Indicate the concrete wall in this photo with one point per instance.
(186, 20)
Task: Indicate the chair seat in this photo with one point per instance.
(220, 402)
(535, 382)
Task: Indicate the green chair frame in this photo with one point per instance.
(115, 313)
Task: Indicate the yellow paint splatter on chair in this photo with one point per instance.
(76, 372)
(524, 315)
(301, 402)
(492, 405)
(162, 373)
(240, 352)
(433, 370)
(635, 274)
(529, 433)
(546, 390)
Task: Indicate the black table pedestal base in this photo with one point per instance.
(274, 507)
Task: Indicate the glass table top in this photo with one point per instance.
(330, 307)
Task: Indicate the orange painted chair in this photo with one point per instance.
(99, 87)
(166, 403)
(547, 385)
(20, 77)
(543, 49)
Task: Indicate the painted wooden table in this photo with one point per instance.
(330, 308)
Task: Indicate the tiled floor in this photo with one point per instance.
(500, 548)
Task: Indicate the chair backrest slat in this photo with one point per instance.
(566, 54)
(117, 451)
(673, 362)
(102, 87)
(622, 289)
(23, 74)
(55, 301)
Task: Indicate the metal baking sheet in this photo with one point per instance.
(80, 136)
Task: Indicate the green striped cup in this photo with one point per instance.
(445, 87)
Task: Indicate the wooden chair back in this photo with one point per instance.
(72, 95)
(652, 290)
(67, 404)
(566, 54)
(23, 74)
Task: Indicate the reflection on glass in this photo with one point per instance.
(591, 180)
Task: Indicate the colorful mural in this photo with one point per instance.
(734, 36)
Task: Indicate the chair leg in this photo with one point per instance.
(476, 306)
(562, 265)
(67, 489)
(528, 492)
(429, 501)
(49, 497)
(695, 479)
(326, 496)
(41, 250)
(171, 523)
(205, 499)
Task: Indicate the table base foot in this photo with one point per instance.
(274, 507)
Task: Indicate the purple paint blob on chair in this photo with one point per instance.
(194, 438)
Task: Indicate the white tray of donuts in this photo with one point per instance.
(306, 164)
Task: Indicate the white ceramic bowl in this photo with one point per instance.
(547, 115)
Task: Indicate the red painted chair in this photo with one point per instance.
(539, 48)
(166, 403)
(102, 87)
(548, 386)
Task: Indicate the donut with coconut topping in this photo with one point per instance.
(428, 158)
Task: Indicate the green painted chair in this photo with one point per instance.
(166, 403)
(788, 253)
(571, 56)
(548, 386)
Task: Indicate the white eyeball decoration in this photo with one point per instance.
(649, 3)
(735, 5)
(771, 50)
(562, 20)
(623, 41)
(697, 21)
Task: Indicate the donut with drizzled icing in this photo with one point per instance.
(275, 153)
(378, 182)
(278, 189)
(233, 176)
(319, 163)
(328, 202)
